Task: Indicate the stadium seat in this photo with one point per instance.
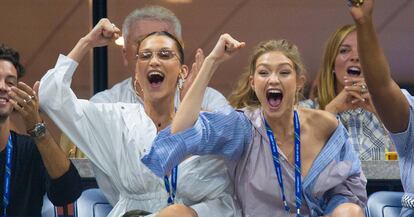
(48, 210)
(91, 203)
(384, 204)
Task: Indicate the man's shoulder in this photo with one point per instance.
(114, 94)
(213, 100)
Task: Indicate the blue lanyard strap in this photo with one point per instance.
(278, 168)
(7, 174)
(173, 190)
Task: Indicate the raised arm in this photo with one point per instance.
(65, 184)
(189, 109)
(76, 117)
(390, 103)
(101, 35)
(25, 102)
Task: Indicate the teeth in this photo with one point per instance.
(355, 68)
(3, 100)
(274, 91)
(155, 73)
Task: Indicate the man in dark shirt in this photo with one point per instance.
(31, 165)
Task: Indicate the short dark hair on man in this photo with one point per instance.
(13, 56)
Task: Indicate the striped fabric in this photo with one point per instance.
(366, 133)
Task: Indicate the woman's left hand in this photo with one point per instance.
(225, 47)
(25, 101)
(359, 88)
(362, 13)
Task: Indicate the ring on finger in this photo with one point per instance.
(364, 88)
(28, 100)
(25, 101)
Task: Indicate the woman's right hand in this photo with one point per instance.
(225, 47)
(102, 34)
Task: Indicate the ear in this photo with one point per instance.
(184, 71)
(301, 82)
(251, 81)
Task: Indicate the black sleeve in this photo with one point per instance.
(65, 189)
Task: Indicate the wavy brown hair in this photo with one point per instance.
(243, 95)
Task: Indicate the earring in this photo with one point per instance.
(181, 83)
(136, 88)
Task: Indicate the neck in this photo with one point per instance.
(4, 133)
(281, 126)
(161, 112)
(338, 88)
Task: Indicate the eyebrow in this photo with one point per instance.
(278, 66)
(163, 48)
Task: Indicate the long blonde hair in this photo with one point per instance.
(325, 82)
(243, 95)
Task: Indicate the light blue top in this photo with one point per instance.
(404, 143)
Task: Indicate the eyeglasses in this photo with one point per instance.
(163, 54)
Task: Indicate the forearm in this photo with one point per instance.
(80, 50)
(189, 109)
(53, 157)
(389, 102)
(373, 60)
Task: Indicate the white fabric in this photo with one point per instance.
(124, 92)
(116, 136)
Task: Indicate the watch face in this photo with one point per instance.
(38, 131)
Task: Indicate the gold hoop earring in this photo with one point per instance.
(135, 88)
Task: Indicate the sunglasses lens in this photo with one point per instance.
(165, 54)
(145, 55)
(161, 54)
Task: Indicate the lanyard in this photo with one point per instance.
(7, 174)
(278, 168)
(173, 190)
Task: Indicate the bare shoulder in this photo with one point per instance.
(322, 122)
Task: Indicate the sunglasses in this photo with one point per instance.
(163, 54)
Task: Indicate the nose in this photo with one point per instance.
(154, 61)
(355, 57)
(4, 87)
(274, 78)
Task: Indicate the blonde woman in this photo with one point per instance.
(275, 173)
(349, 100)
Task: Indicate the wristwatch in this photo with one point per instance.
(38, 131)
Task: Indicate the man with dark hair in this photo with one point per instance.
(31, 165)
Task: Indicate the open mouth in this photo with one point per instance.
(354, 71)
(274, 97)
(155, 78)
